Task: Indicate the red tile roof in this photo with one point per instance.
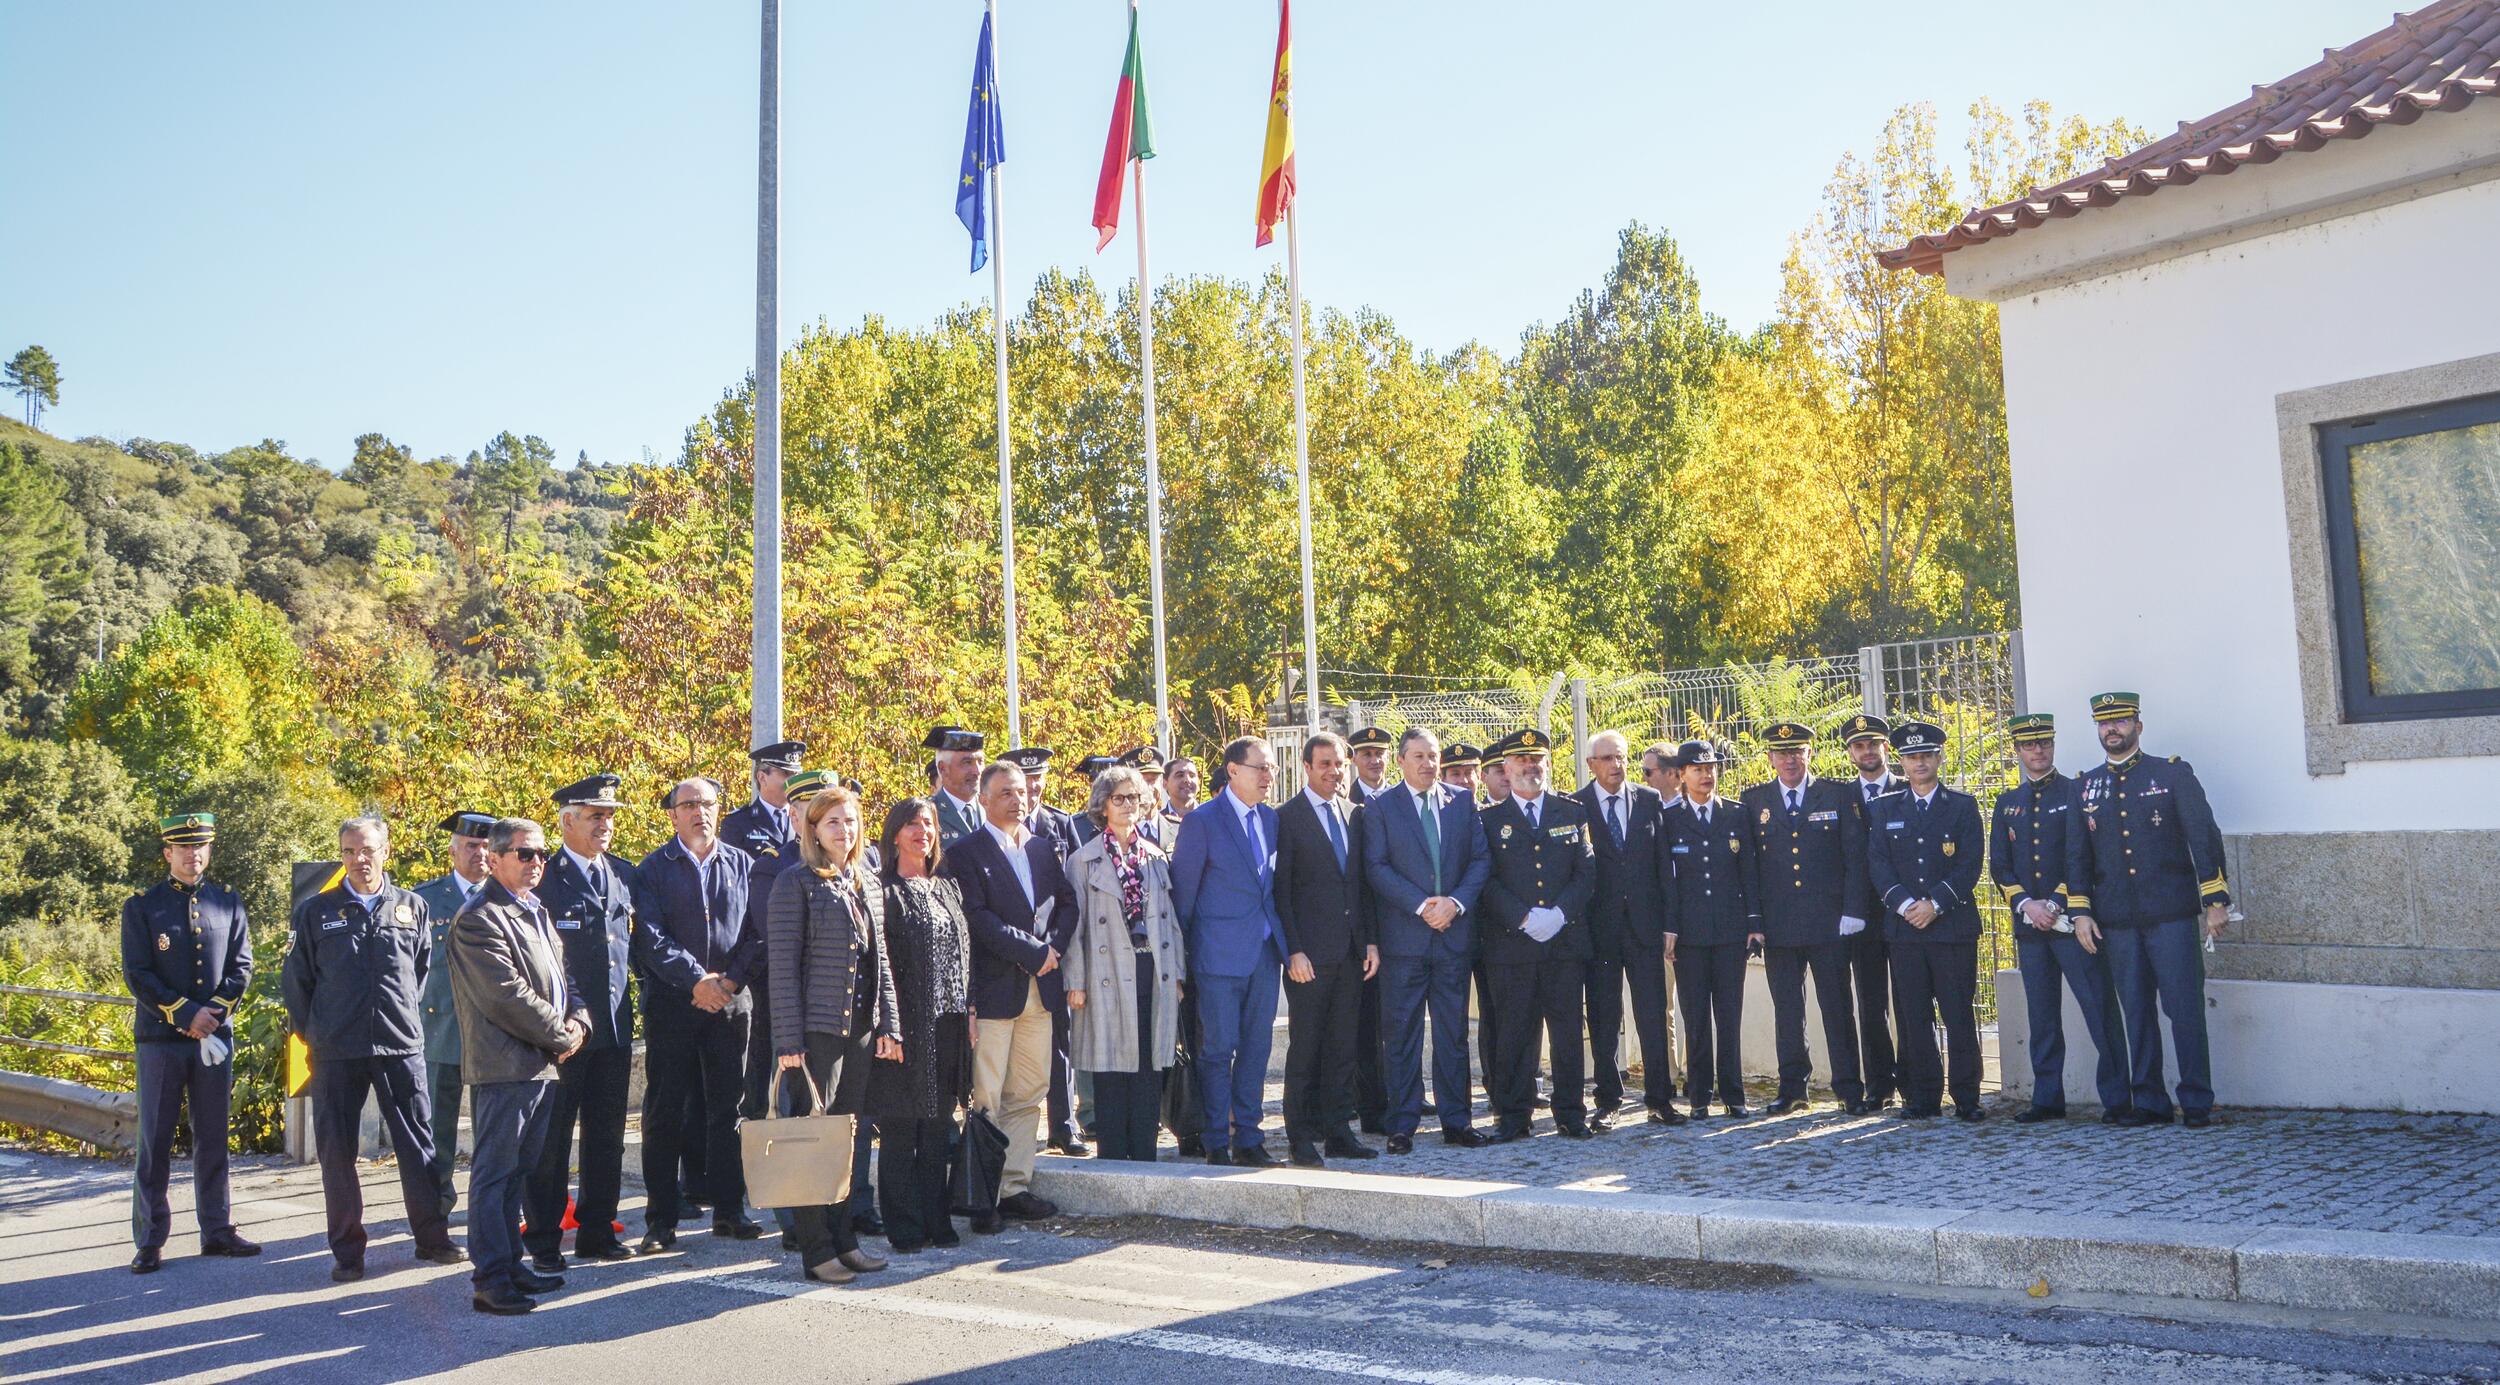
(2438, 58)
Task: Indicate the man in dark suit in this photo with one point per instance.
(1870, 958)
(1071, 1100)
(1222, 876)
(1808, 882)
(690, 906)
(959, 757)
(1924, 857)
(1709, 924)
(1536, 938)
(1022, 911)
(2037, 855)
(1368, 748)
(1424, 863)
(589, 893)
(1627, 939)
(187, 957)
(1329, 953)
(762, 823)
(445, 896)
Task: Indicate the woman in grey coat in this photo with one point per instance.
(833, 999)
(1124, 967)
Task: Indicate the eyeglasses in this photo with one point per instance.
(531, 853)
(698, 803)
(1128, 798)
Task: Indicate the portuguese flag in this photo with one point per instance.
(1132, 137)
(1276, 162)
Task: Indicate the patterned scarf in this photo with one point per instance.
(1130, 862)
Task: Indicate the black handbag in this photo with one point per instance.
(978, 1161)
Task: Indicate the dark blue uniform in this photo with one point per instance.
(1711, 915)
(1808, 876)
(1870, 965)
(593, 912)
(444, 896)
(2036, 852)
(693, 922)
(1542, 858)
(354, 981)
(755, 827)
(183, 947)
(1626, 948)
(2156, 861)
(1932, 851)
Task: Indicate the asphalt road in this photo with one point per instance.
(1063, 1304)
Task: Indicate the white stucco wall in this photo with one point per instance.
(2148, 494)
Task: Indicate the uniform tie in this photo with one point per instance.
(1431, 820)
(1614, 818)
(1336, 832)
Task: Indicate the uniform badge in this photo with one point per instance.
(2157, 817)
(2013, 810)
(1735, 843)
(164, 942)
(1948, 848)
(1766, 817)
(1506, 831)
(406, 914)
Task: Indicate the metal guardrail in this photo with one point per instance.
(119, 1055)
(108, 1120)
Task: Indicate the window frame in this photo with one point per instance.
(2334, 442)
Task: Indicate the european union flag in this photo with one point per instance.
(985, 148)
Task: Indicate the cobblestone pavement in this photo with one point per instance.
(2437, 1175)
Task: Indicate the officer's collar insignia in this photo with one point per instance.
(164, 942)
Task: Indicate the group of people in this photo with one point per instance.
(1118, 970)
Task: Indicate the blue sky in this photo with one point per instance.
(313, 220)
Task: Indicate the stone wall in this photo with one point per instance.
(2405, 909)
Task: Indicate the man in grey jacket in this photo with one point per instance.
(518, 1019)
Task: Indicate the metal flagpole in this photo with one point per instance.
(1154, 474)
(1006, 475)
(1302, 475)
(765, 710)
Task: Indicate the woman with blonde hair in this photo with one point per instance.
(1124, 966)
(832, 995)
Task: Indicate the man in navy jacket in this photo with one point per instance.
(1424, 861)
(1222, 888)
(1923, 857)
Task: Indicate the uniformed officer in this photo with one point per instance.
(1492, 782)
(187, 957)
(1159, 825)
(1461, 767)
(589, 896)
(1369, 749)
(2036, 854)
(1924, 858)
(1493, 776)
(1869, 741)
(1710, 918)
(1809, 883)
(959, 762)
(1535, 936)
(2156, 865)
(1050, 824)
(764, 820)
(445, 896)
(354, 982)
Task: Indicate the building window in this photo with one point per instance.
(2413, 545)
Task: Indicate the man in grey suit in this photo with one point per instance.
(518, 1019)
(1424, 861)
(445, 896)
(957, 762)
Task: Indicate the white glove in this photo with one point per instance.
(1851, 925)
(1542, 923)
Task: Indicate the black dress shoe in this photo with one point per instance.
(229, 1245)
(1785, 1105)
(1253, 1157)
(1599, 1125)
(1856, 1108)
(1969, 1113)
(1469, 1138)
(1072, 1147)
(944, 1237)
(530, 1283)
(451, 1255)
(1347, 1147)
(988, 1224)
(1573, 1129)
(1665, 1115)
(1027, 1206)
(656, 1242)
(1193, 1146)
(1398, 1144)
(1880, 1101)
(1220, 1158)
(1737, 1110)
(1921, 1113)
(1373, 1125)
(2196, 1120)
(1508, 1134)
(1305, 1155)
(147, 1261)
(503, 1303)
(346, 1274)
(1089, 1134)
(2033, 1115)
(2138, 1118)
(1701, 1111)
(789, 1240)
(612, 1252)
(692, 1212)
(2116, 1115)
(549, 1262)
(737, 1229)
(867, 1224)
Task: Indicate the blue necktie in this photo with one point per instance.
(1336, 832)
(1250, 827)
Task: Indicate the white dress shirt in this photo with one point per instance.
(1013, 845)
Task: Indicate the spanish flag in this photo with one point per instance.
(1276, 165)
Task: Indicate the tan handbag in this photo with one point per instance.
(797, 1161)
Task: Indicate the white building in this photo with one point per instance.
(2256, 453)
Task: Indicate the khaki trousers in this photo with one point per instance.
(1010, 1078)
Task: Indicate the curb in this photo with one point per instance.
(2286, 1267)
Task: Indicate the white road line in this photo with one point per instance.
(1086, 1330)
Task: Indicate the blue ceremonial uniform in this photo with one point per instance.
(444, 897)
(593, 914)
(756, 827)
(183, 947)
(2156, 860)
(1710, 914)
(1932, 851)
(2036, 852)
(1541, 857)
(1809, 875)
(353, 979)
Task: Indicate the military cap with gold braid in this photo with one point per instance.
(1527, 741)
(1865, 726)
(2030, 727)
(1143, 758)
(808, 783)
(188, 829)
(2116, 706)
(1461, 755)
(1375, 736)
(1788, 735)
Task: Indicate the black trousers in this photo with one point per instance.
(339, 1086)
(169, 1072)
(1488, 1042)
(1059, 1102)
(1370, 1097)
(911, 1179)
(1870, 961)
(1184, 1106)
(1786, 969)
(443, 1089)
(1645, 969)
(1928, 979)
(1127, 1103)
(1710, 989)
(590, 1088)
(1532, 1001)
(839, 1063)
(689, 1056)
(1322, 1016)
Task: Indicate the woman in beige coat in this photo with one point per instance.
(1124, 967)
